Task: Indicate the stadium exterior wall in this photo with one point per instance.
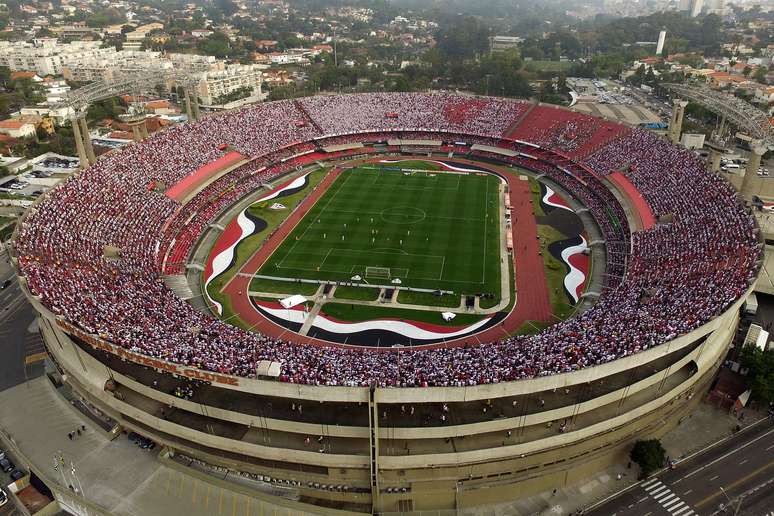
(433, 473)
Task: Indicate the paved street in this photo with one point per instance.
(739, 470)
(21, 348)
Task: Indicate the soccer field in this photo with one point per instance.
(434, 230)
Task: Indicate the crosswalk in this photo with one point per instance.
(667, 499)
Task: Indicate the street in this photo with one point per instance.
(21, 347)
(733, 477)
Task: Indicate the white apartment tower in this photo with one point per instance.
(660, 44)
(696, 7)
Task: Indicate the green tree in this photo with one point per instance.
(760, 365)
(105, 17)
(760, 74)
(465, 38)
(5, 75)
(649, 455)
(217, 44)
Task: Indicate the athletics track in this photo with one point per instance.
(532, 299)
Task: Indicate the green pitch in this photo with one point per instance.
(434, 230)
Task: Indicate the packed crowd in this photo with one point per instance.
(345, 114)
(677, 276)
(571, 133)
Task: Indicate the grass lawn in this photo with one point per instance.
(429, 299)
(248, 246)
(415, 164)
(356, 293)
(433, 231)
(534, 186)
(555, 272)
(488, 302)
(7, 230)
(283, 287)
(355, 313)
(547, 66)
(532, 327)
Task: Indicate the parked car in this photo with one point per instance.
(4, 286)
(3, 498)
(16, 475)
(6, 465)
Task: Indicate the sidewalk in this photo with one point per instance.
(702, 427)
(117, 475)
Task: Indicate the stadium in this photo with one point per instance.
(187, 288)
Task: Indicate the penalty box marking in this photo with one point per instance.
(335, 251)
(430, 174)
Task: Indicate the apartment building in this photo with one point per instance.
(215, 84)
(46, 58)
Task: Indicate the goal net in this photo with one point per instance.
(377, 272)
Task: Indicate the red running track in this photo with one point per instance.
(532, 299)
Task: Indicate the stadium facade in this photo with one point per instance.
(378, 447)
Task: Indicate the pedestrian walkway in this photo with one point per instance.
(666, 498)
(117, 475)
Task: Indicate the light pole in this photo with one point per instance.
(730, 502)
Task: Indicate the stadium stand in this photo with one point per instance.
(699, 258)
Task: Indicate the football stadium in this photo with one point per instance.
(392, 302)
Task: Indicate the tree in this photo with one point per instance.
(5, 75)
(105, 17)
(465, 38)
(760, 74)
(760, 365)
(649, 455)
(217, 44)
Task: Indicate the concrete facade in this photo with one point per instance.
(479, 461)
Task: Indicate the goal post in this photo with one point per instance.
(377, 272)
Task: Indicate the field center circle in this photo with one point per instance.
(403, 215)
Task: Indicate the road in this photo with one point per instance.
(21, 348)
(737, 473)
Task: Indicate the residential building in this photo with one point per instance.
(135, 38)
(233, 77)
(502, 43)
(17, 128)
(45, 58)
(201, 33)
(660, 44)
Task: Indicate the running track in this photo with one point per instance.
(532, 300)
